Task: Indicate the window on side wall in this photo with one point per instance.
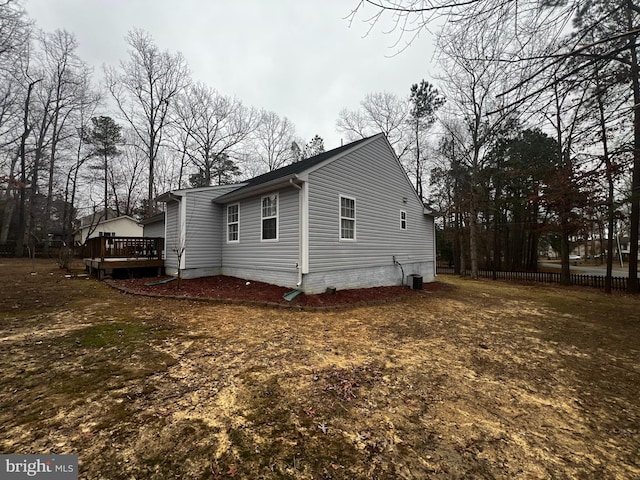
(403, 220)
(233, 223)
(270, 217)
(347, 218)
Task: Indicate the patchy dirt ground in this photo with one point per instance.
(478, 380)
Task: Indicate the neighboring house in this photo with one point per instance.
(123, 226)
(347, 218)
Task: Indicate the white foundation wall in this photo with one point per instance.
(314, 283)
(282, 278)
(193, 272)
(387, 275)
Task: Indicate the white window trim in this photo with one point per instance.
(277, 217)
(340, 218)
(403, 220)
(233, 223)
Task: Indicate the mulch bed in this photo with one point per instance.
(237, 290)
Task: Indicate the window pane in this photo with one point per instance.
(347, 228)
(232, 213)
(233, 232)
(269, 229)
(269, 206)
(347, 207)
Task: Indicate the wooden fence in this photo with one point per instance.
(8, 249)
(596, 281)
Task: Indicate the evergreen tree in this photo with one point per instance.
(425, 100)
(314, 147)
(104, 136)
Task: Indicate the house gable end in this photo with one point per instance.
(383, 201)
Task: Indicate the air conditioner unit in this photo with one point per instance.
(414, 281)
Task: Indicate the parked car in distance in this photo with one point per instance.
(574, 258)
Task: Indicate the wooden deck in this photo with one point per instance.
(103, 255)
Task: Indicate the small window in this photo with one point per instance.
(107, 234)
(403, 220)
(233, 223)
(270, 217)
(347, 218)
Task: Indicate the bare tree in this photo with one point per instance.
(144, 87)
(379, 112)
(16, 90)
(126, 177)
(181, 128)
(220, 125)
(68, 75)
(271, 141)
(14, 33)
(88, 102)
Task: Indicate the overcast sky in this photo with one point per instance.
(299, 58)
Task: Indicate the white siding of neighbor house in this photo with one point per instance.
(254, 259)
(372, 175)
(122, 227)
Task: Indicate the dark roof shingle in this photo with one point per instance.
(298, 167)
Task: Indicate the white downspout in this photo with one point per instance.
(435, 252)
(182, 239)
(300, 238)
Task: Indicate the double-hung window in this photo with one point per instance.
(347, 218)
(403, 220)
(270, 217)
(233, 223)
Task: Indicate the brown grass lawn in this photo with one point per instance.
(477, 380)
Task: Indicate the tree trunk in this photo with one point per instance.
(22, 217)
(7, 216)
(632, 285)
(10, 201)
(52, 160)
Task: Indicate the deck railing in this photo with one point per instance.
(149, 248)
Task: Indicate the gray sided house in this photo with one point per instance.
(347, 218)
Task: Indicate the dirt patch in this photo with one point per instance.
(477, 380)
(238, 290)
